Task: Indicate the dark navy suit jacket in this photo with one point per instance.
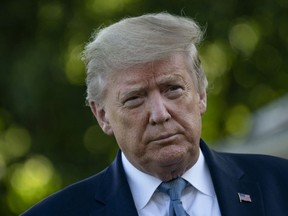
(263, 178)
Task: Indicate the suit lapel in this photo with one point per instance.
(229, 180)
(114, 193)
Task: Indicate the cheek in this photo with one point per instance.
(120, 121)
(128, 130)
(189, 117)
(192, 124)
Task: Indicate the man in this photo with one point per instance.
(146, 87)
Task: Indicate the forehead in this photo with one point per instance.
(172, 68)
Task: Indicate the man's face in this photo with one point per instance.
(154, 112)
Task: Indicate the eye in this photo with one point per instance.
(175, 88)
(133, 101)
(174, 91)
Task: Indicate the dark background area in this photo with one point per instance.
(48, 136)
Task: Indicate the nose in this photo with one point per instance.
(158, 110)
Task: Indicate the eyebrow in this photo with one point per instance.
(163, 81)
(170, 79)
(130, 92)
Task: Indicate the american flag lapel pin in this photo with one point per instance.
(244, 197)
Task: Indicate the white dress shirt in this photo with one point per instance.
(199, 198)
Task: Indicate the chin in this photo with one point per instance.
(175, 165)
(172, 155)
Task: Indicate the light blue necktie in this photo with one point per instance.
(174, 189)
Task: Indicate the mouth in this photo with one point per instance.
(165, 138)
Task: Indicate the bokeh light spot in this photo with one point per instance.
(215, 59)
(74, 68)
(50, 11)
(15, 142)
(2, 166)
(238, 121)
(108, 6)
(244, 37)
(30, 182)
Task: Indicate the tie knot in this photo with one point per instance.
(173, 188)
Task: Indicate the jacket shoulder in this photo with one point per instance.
(263, 168)
(258, 160)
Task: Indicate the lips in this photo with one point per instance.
(163, 138)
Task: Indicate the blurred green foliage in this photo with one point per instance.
(49, 138)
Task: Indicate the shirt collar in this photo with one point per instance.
(203, 181)
(143, 185)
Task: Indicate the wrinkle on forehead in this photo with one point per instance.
(171, 60)
(164, 66)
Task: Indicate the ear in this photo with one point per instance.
(202, 102)
(101, 117)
